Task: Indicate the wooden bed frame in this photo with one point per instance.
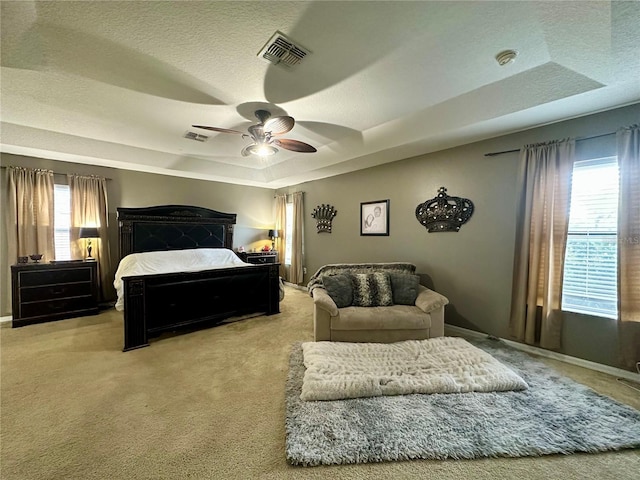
(162, 302)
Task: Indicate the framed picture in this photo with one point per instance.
(374, 218)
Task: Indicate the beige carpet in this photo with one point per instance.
(208, 404)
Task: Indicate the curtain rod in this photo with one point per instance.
(58, 173)
(493, 154)
(287, 194)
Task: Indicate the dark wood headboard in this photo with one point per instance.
(173, 227)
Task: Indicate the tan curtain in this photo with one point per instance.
(628, 140)
(281, 224)
(89, 208)
(29, 215)
(296, 274)
(541, 235)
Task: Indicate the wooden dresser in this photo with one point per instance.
(42, 292)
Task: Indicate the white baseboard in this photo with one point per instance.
(6, 318)
(616, 372)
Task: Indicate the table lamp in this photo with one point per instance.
(89, 233)
(273, 234)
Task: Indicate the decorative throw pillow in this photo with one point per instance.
(372, 289)
(339, 289)
(405, 288)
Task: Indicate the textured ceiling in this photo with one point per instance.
(120, 83)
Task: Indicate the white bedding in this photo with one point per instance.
(172, 261)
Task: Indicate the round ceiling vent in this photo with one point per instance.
(506, 56)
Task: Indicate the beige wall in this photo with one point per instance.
(254, 206)
(472, 267)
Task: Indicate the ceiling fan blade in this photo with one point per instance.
(217, 129)
(245, 151)
(294, 145)
(279, 125)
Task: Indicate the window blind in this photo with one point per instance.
(288, 237)
(590, 269)
(62, 221)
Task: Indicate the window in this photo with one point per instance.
(590, 269)
(288, 235)
(62, 221)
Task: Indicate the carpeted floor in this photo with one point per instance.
(207, 404)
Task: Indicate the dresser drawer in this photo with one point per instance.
(60, 291)
(258, 260)
(49, 277)
(50, 307)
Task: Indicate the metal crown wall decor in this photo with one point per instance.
(324, 215)
(444, 213)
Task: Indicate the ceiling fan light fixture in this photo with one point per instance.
(264, 144)
(262, 150)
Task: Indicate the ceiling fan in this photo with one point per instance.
(263, 133)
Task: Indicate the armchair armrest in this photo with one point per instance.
(428, 300)
(322, 300)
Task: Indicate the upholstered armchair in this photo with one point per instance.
(385, 304)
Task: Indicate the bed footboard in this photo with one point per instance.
(159, 303)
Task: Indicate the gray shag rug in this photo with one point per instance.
(555, 415)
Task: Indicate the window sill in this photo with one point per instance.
(589, 314)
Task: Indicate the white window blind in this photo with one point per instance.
(62, 221)
(288, 234)
(590, 269)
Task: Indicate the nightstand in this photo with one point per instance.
(43, 292)
(258, 258)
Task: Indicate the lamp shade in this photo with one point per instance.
(273, 233)
(89, 232)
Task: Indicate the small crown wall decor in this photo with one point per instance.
(324, 215)
(444, 213)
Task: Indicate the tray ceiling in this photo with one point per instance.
(120, 83)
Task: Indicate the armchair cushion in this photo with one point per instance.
(339, 288)
(404, 287)
(372, 289)
(397, 317)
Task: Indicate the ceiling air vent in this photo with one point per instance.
(283, 51)
(196, 136)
